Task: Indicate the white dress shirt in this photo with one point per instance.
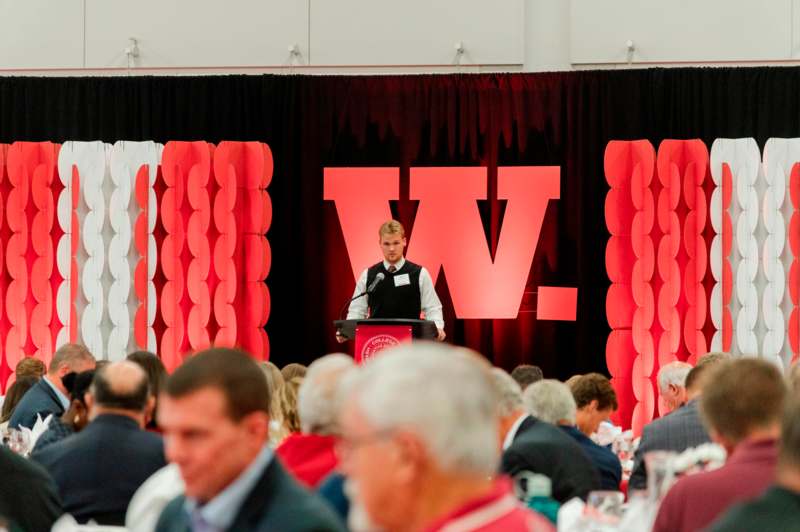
(512, 432)
(431, 306)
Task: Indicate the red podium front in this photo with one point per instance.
(372, 336)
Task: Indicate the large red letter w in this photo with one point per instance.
(448, 231)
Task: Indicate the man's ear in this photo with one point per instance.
(88, 398)
(257, 424)
(149, 409)
(63, 370)
(410, 456)
(593, 406)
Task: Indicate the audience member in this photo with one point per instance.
(215, 416)
(75, 418)
(778, 509)
(672, 384)
(290, 419)
(741, 406)
(310, 455)
(551, 401)
(156, 375)
(49, 396)
(277, 432)
(530, 444)
(420, 446)
(98, 470)
(290, 371)
(28, 496)
(29, 366)
(595, 399)
(526, 374)
(794, 378)
(14, 395)
(681, 429)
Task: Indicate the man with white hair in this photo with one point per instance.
(682, 428)
(552, 401)
(310, 455)
(672, 384)
(420, 444)
(531, 445)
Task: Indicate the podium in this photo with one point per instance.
(373, 335)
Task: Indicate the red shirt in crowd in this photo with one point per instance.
(309, 457)
(697, 500)
(498, 511)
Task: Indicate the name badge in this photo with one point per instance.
(401, 280)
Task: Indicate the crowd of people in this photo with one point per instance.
(425, 437)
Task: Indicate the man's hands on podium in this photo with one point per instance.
(339, 338)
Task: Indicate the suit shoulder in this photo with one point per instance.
(293, 507)
(171, 515)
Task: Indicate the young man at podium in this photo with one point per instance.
(395, 287)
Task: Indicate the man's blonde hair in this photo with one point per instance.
(392, 227)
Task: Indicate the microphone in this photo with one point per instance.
(371, 288)
(375, 282)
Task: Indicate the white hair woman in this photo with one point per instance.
(310, 454)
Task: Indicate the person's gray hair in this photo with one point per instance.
(673, 373)
(70, 355)
(551, 401)
(442, 394)
(318, 398)
(509, 392)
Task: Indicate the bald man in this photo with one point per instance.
(98, 470)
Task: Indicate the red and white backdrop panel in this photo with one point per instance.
(134, 245)
(703, 256)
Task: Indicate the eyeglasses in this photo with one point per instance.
(346, 446)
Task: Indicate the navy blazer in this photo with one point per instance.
(277, 502)
(543, 448)
(677, 431)
(98, 470)
(40, 399)
(603, 458)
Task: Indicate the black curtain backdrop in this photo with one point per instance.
(311, 122)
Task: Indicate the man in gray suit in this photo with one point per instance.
(679, 430)
(215, 414)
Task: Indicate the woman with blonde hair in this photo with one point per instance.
(276, 385)
(288, 405)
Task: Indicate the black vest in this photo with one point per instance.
(390, 301)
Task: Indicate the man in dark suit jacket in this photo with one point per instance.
(49, 396)
(28, 497)
(100, 468)
(543, 448)
(552, 401)
(215, 415)
(679, 430)
(533, 445)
